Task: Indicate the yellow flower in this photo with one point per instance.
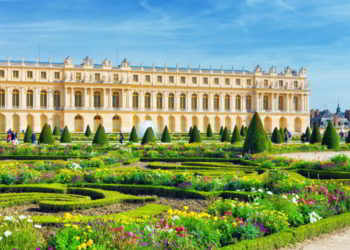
(67, 225)
(75, 226)
(77, 238)
(83, 245)
(67, 215)
(215, 218)
(185, 208)
(89, 243)
(78, 247)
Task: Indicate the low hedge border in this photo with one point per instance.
(296, 235)
(322, 174)
(41, 157)
(158, 165)
(131, 161)
(200, 159)
(33, 188)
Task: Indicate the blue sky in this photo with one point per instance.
(238, 33)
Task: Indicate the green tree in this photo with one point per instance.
(166, 136)
(256, 140)
(236, 136)
(315, 136)
(100, 137)
(330, 137)
(209, 131)
(195, 136)
(56, 131)
(133, 135)
(88, 131)
(148, 136)
(221, 130)
(347, 139)
(276, 136)
(225, 137)
(242, 132)
(46, 135)
(28, 135)
(65, 137)
(282, 134)
(307, 134)
(190, 131)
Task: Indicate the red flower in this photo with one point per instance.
(180, 229)
(118, 229)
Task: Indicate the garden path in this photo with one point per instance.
(311, 156)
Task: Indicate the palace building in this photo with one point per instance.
(119, 97)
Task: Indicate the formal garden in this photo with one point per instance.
(198, 190)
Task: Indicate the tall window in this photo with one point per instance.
(78, 76)
(216, 102)
(205, 80)
(171, 79)
(115, 77)
(43, 99)
(183, 101)
(147, 100)
(159, 101)
(15, 74)
(116, 100)
(296, 84)
(266, 102)
(216, 80)
(97, 99)
(194, 80)
(171, 101)
(281, 83)
(57, 75)
(148, 78)
(227, 102)
(56, 99)
(15, 98)
(135, 100)
(97, 77)
(227, 81)
(248, 101)
(2, 98)
(29, 74)
(280, 102)
(78, 99)
(205, 102)
(30, 98)
(43, 75)
(135, 78)
(2, 73)
(238, 102)
(183, 79)
(296, 103)
(159, 79)
(194, 102)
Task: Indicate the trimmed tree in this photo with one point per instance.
(347, 139)
(166, 135)
(46, 135)
(225, 137)
(28, 135)
(133, 135)
(100, 136)
(330, 137)
(236, 136)
(190, 131)
(276, 136)
(209, 131)
(282, 134)
(307, 134)
(65, 137)
(195, 137)
(221, 130)
(242, 132)
(257, 139)
(315, 136)
(56, 131)
(88, 131)
(148, 136)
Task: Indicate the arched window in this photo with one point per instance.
(280, 102)
(116, 100)
(30, 99)
(227, 102)
(78, 99)
(205, 102)
(15, 98)
(135, 100)
(194, 102)
(43, 99)
(147, 100)
(266, 103)
(159, 101)
(182, 101)
(79, 123)
(97, 99)
(238, 102)
(2, 98)
(248, 103)
(171, 101)
(56, 99)
(216, 102)
(296, 103)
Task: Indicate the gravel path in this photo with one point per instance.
(311, 156)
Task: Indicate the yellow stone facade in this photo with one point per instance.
(35, 93)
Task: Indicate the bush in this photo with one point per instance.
(256, 140)
(225, 137)
(166, 135)
(56, 131)
(236, 136)
(88, 131)
(190, 131)
(221, 130)
(307, 134)
(100, 136)
(243, 131)
(330, 137)
(209, 131)
(347, 139)
(147, 137)
(195, 136)
(46, 135)
(282, 133)
(315, 136)
(65, 137)
(28, 135)
(276, 136)
(133, 135)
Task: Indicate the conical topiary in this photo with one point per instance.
(236, 136)
(56, 131)
(225, 137)
(100, 136)
(28, 135)
(256, 140)
(209, 131)
(195, 136)
(190, 131)
(88, 131)
(148, 136)
(46, 135)
(242, 132)
(307, 134)
(276, 136)
(133, 135)
(347, 139)
(65, 137)
(315, 136)
(166, 135)
(282, 134)
(330, 137)
(221, 130)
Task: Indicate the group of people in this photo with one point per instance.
(12, 136)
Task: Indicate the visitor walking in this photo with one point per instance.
(121, 138)
(33, 138)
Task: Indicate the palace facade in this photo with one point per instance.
(35, 93)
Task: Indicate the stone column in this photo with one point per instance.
(22, 98)
(71, 98)
(66, 98)
(91, 102)
(210, 102)
(233, 102)
(50, 98)
(200, 102)
(257, 107)
(37, 98)
(189, 101)
(142, 100)
(301, 102)
(153, 100)
(9, 98)
(130, 99)
(177, 101)
(243, 103)
(110, 97)
(221, 103)
(166, 102)
(86, 98)
(105, 98)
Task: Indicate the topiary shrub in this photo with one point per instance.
(315, 136)
(148, 136)
(88, 131)
(56, 131)
(209, 131)
(46, 135)
(166, 135)
(256, 140)
(276, 136)
(225, 137)
(133, 135)
(236, 136)
(100, 136)
(65, 137)
(282, 133)
(221, 130)
(242, 132)
(190, 131)
(347, 139)
(195, 136)
(307, 134)
(28, 135)
(330, 137)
